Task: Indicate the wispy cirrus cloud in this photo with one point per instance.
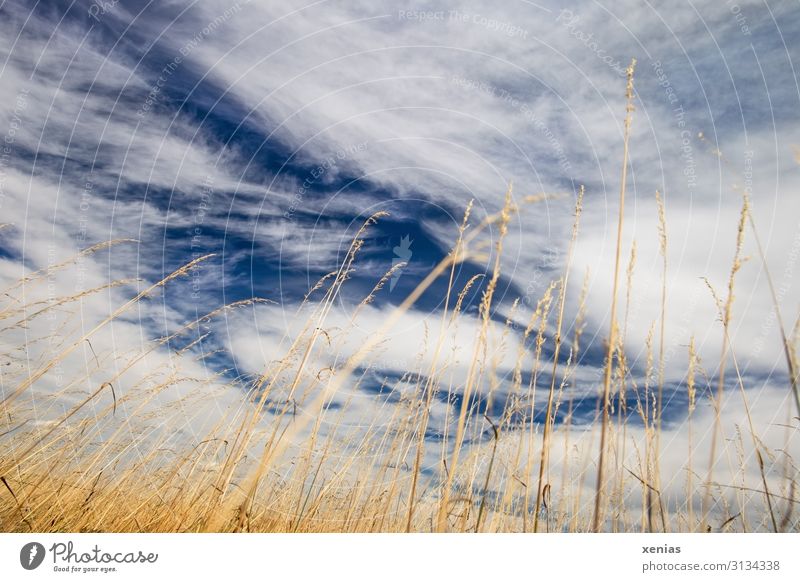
(267, 134)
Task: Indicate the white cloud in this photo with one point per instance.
(447, 109)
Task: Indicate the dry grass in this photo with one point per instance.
(110, 450)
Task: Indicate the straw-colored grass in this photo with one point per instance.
(139, 441)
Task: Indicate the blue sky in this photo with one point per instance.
(267, 134)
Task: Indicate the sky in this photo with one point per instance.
(266, 133)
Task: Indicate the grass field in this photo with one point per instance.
(149, 440)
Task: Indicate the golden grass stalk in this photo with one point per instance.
(725, 313)
(432, 373)
(548, 421)
(32, 378)
(600, 486)
(485, 310)
(543, 311)
(662, 237)
(692, 394)
(622, 407)
(788, 348)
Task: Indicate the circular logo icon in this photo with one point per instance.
(31, 555)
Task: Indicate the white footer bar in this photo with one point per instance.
(398, 557)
